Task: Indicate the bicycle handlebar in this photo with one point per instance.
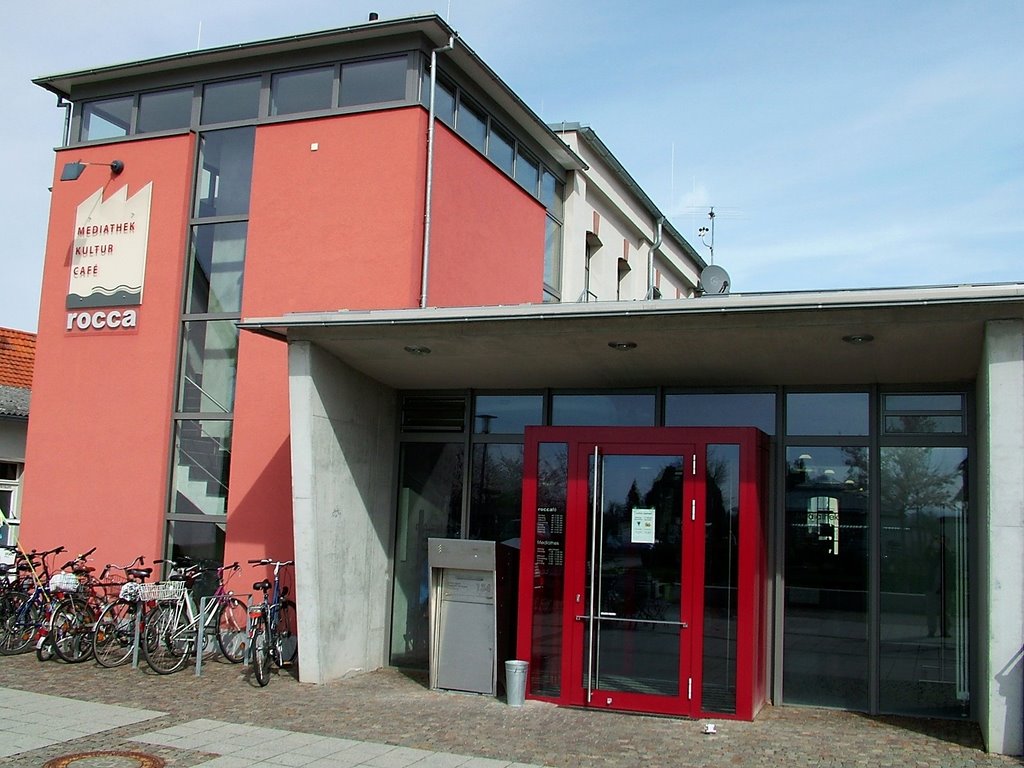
(267, 561)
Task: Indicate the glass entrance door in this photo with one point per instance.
(634, 631)
(643, 569)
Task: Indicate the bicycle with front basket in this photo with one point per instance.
(177, 627)
(113, 636)
(271, 624)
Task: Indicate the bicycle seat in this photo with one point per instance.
(262, 585)
(83, 569)
(141, 573)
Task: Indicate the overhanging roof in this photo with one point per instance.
(921, 335)
(435, 29)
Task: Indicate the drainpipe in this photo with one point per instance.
(650, 257)
(66, 106)
(430, 170)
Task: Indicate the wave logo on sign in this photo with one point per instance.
(108, 256)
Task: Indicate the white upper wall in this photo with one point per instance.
(604, 212)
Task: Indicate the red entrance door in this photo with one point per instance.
(632, 617)
(617, 607)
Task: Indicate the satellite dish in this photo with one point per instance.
(714, 280)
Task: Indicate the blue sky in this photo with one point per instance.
(843, 145)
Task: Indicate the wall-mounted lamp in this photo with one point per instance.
(622, 346)
(72, 171)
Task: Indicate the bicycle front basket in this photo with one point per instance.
(130, 591)
(161, 590)
(64, 582)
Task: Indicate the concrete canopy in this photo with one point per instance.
(920, 335)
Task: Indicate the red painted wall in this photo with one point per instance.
(99, 435)
(487, 234)
(339, 227)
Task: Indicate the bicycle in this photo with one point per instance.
(175, 628)
(23, 615)
(271, 624)
(113, 636)
(76, 600)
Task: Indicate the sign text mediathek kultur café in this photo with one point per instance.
(108, 260)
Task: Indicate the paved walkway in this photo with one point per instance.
(387, 719)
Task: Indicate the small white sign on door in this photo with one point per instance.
(643, 525)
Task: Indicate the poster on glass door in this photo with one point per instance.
(643, 526)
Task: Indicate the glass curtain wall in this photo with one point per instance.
(429, 506)
(881, 499)
(197, 517)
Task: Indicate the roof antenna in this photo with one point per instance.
(704, 232)
(713, 279)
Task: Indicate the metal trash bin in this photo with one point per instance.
(515, 682)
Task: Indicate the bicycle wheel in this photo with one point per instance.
(20, 617)
(285, 641)
(168, 638)
(261, 651)
(44, 648)
(113, 637)
(71, 629)
(231, 626)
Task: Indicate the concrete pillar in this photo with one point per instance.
(1000, 415)
(343, 453)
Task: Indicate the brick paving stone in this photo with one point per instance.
(397, 710)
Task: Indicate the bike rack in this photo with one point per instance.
(206, 635)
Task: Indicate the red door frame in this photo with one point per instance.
(751, 648)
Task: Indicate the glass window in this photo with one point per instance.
(923, 414)
(472, 124)
(527, 172)
(216, 267)
(202, 542)
(725, 409)
(225, 172)
(107, 119)
(209, 361)
(721, 578)
(825, 643)
(827, 413)
(9, 523)
(429, 505)
(496, 500)
(232, 100)
(305, 91)
(9, 470)
(549, 570)
(927, 403)
(602, 410)
(501, 149)
(553, 255)
(371, 82)
(507, 414)
(444, 101)
(551, 191)
(202, 458)
(923, 626)
(922, 425)
(165, 110)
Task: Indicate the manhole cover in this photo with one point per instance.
(106, 759)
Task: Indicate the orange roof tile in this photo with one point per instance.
(17, 358)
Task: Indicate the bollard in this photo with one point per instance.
(515, 682)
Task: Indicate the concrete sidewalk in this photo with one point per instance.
(388, 719)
